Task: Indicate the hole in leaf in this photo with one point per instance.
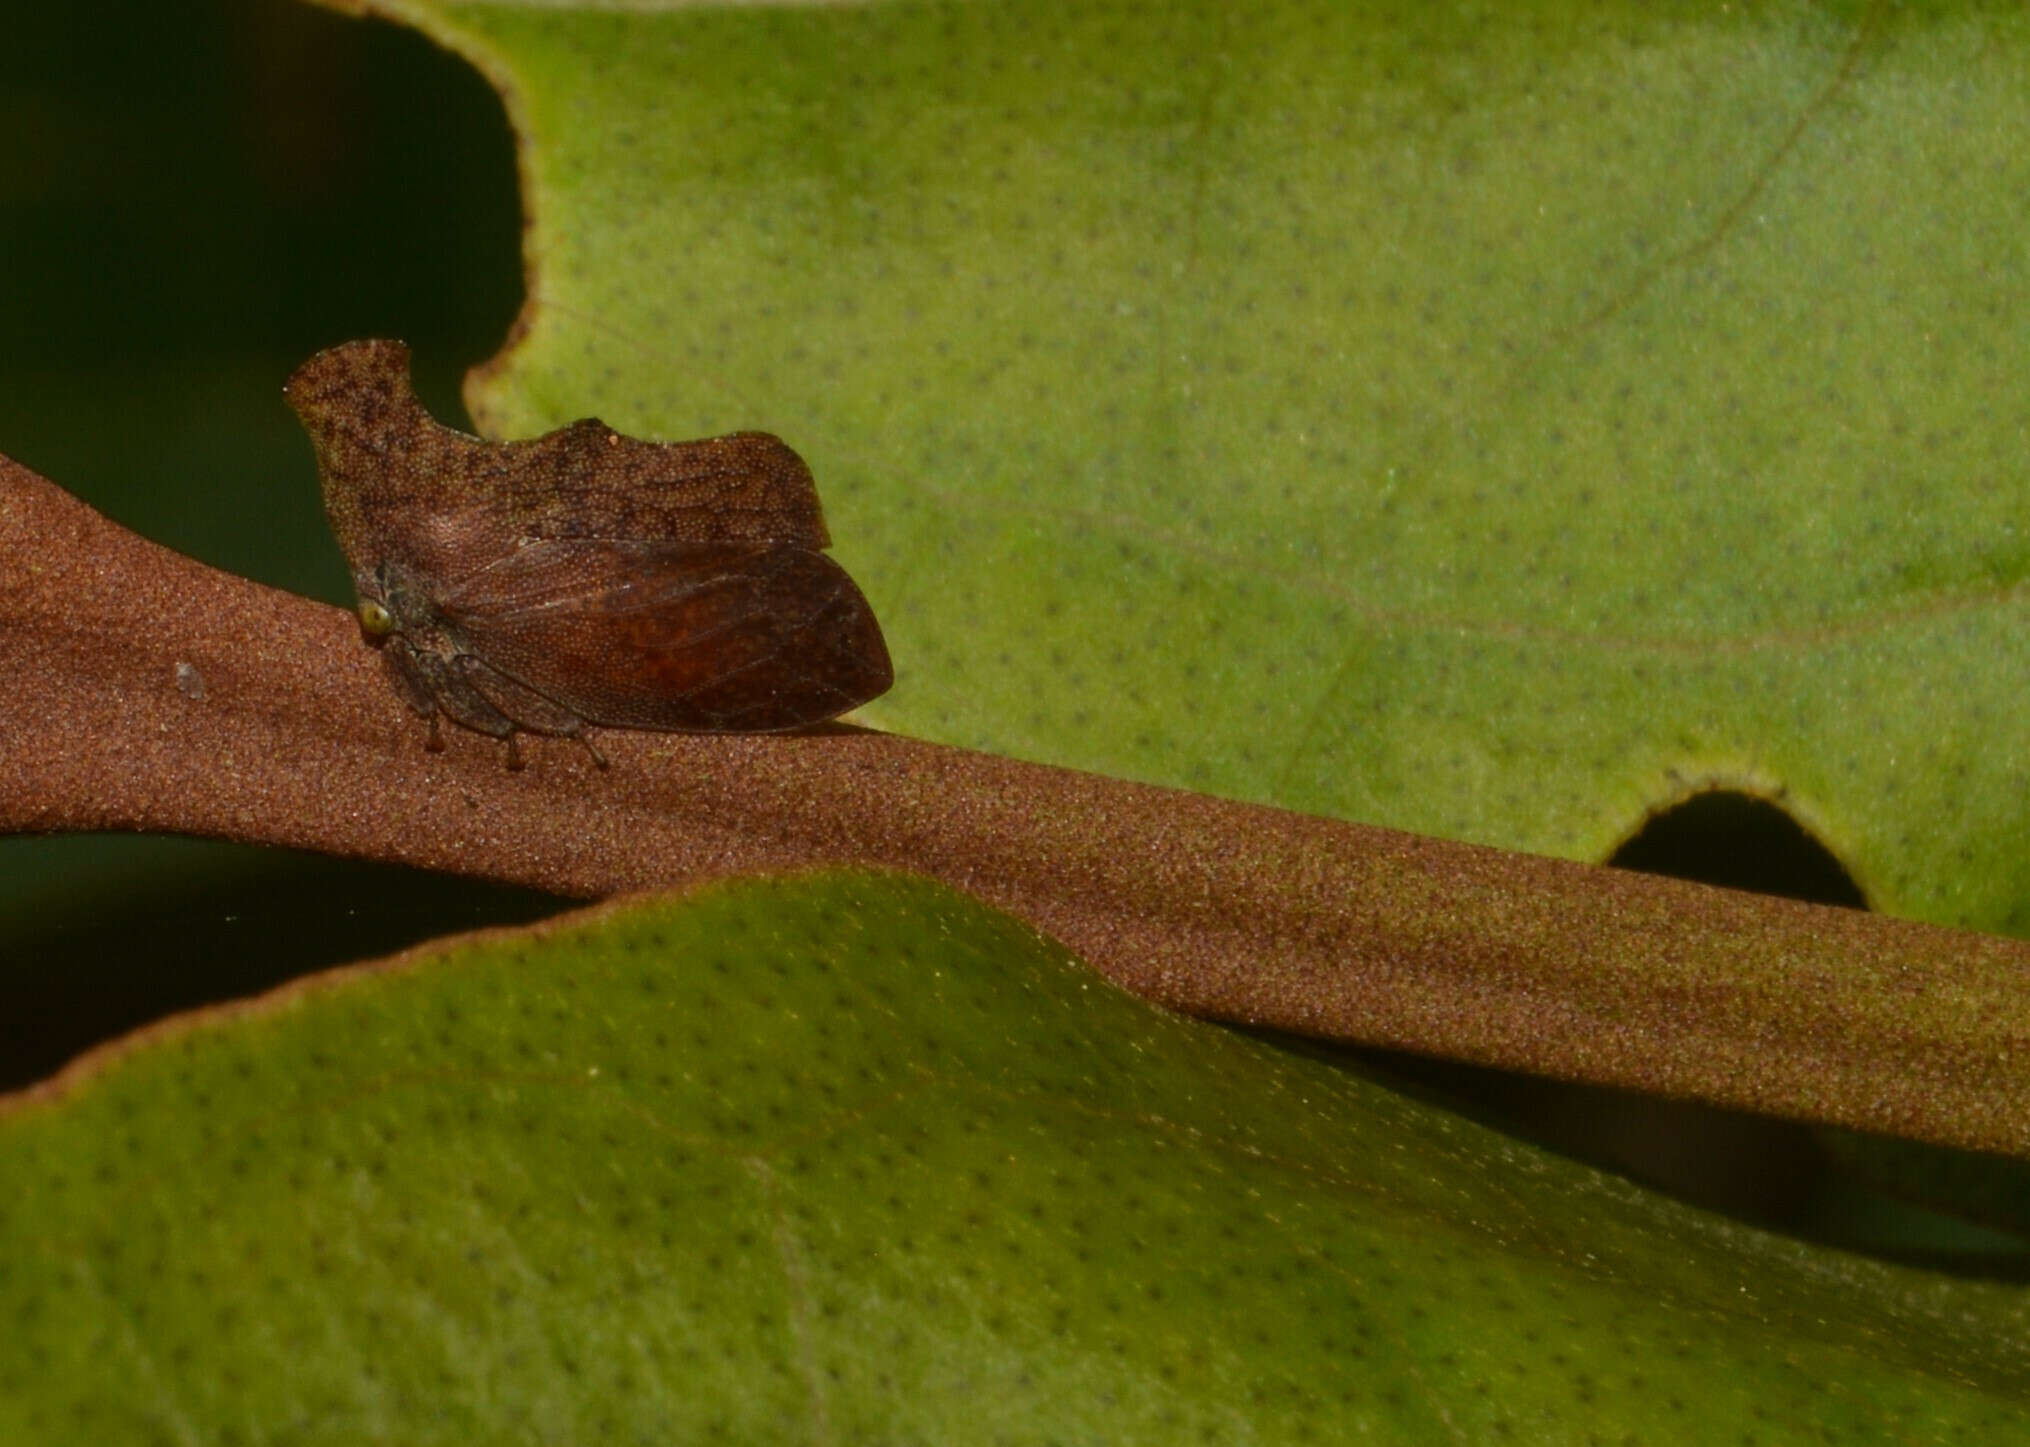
(1773, 1173)
(1733, 839)
(1770, 1171)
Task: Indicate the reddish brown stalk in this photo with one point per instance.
(146, 691)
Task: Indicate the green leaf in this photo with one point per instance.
(1493, 422)
(850, 1158)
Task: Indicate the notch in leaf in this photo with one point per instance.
(582, 577)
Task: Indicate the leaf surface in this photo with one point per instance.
(850, 1158)
(1494, 424)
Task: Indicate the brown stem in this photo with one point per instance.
(146, 691)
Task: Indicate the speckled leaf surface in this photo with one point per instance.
(851, 1159)
(1490, 421)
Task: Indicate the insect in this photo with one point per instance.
(583, 578)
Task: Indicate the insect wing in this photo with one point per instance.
(691, 636)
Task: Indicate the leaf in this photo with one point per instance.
(1490, 423)
(850, 1158)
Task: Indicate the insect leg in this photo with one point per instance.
(437, 689)
(410, 674)
(529, 709)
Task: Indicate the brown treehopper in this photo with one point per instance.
(583, 578)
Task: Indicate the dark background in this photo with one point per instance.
(195, 195)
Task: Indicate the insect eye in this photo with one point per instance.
(375, 619)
